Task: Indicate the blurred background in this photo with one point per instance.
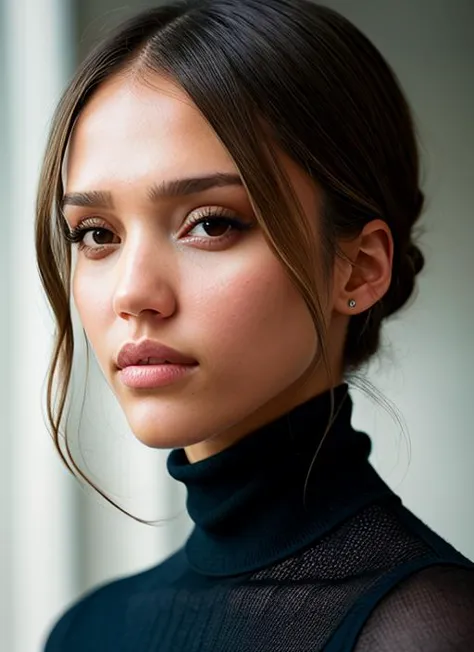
(58, 540)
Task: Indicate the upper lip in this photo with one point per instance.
(132, 353)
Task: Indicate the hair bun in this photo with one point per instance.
(415, 258)
(419, 203)
(401, 289)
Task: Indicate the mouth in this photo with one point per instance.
(148, 352)
(147, 364)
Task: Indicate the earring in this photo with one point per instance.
(352, 303)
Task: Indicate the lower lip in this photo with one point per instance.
(154, 375)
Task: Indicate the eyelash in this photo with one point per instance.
(76, 235)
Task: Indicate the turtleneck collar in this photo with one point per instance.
(263, 499)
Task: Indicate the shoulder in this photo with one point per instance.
(88, 617)
(98, 620)
(98, 616)
(432, 610)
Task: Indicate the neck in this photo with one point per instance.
(306, 388)
(278, 489)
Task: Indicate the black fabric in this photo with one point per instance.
(432, 610)
(339, 567)
(249, 502)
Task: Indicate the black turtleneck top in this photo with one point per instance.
(287, 554)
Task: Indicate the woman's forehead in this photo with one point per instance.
(129, 128)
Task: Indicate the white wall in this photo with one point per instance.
(5, 335)
(38, 565)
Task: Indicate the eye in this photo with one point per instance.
(208, 227)
(98, 237)
(92, 237)
(216, 227)
(215, 224)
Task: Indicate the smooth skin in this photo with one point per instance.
(216, 294)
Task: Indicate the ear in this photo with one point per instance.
(364, 272)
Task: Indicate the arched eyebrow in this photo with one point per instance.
(165, 189)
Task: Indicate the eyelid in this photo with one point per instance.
(76, 234)
(210, 212)
(192, 216)
(88, 222)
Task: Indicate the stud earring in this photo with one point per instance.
(352, 303)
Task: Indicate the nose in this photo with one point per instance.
(144, 282)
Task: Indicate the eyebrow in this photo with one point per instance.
(165, 189)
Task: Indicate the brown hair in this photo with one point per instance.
(288, 73)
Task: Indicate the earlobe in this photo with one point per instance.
(363, 278)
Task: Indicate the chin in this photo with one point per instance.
(158, 424)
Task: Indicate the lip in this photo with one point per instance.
(132, 353)
(154, 375)
(149, 376)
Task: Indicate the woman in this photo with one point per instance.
(279, 123)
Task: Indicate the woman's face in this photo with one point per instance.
(211, 290)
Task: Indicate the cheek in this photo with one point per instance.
(93, 303)
(253, 318)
